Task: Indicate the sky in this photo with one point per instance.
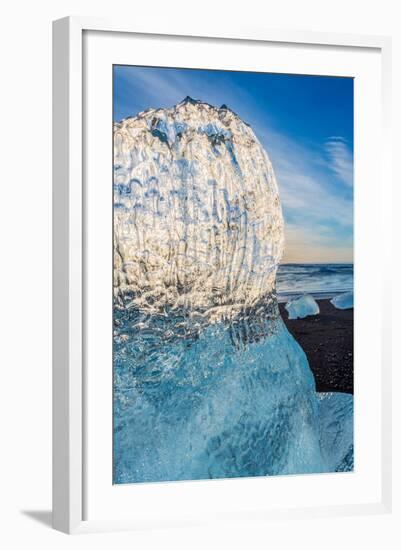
(305, 123)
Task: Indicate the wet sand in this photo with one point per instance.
(328, 341)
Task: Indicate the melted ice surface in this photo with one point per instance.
(231, 401)
(336, 413)
(302, 307)
(343, 301)
(197, 216)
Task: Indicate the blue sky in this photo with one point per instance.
(306, 126)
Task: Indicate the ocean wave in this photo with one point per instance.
(320, 280)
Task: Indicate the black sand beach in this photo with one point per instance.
(328, 341)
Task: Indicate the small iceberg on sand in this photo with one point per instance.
(343, 301)
(301, 307)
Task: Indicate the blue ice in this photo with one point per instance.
(337, 430)
(301, 307)
(343, 301)
(228, 400)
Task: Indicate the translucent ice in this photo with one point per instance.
(336, 413)
(208, 382)
(301, 307)
(227, 401)
(197, 215)
(343, 301)
(231, 400)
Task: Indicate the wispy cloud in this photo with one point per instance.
(318, 208)
(305, 188)
(340, 159)
(165, 88)
(134, 85)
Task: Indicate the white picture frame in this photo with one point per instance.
(70, 426)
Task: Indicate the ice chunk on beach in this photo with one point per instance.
(195, 202)
(343, 301)
(336, 417)
(301, 307)
(208, 382)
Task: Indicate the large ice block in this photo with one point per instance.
(208, 382)
(197, 216)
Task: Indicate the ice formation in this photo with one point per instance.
(301, 307)
(208, 382)
(226, 402)
(197, 215)
(336, 414)
(343, 301)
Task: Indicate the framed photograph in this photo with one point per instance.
(220, 337)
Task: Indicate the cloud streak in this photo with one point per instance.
(317, 202)
(340, 159)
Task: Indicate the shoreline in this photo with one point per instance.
(284, 297)
(328, 342)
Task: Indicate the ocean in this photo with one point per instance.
(319, 280)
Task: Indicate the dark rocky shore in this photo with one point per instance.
(328, 341)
